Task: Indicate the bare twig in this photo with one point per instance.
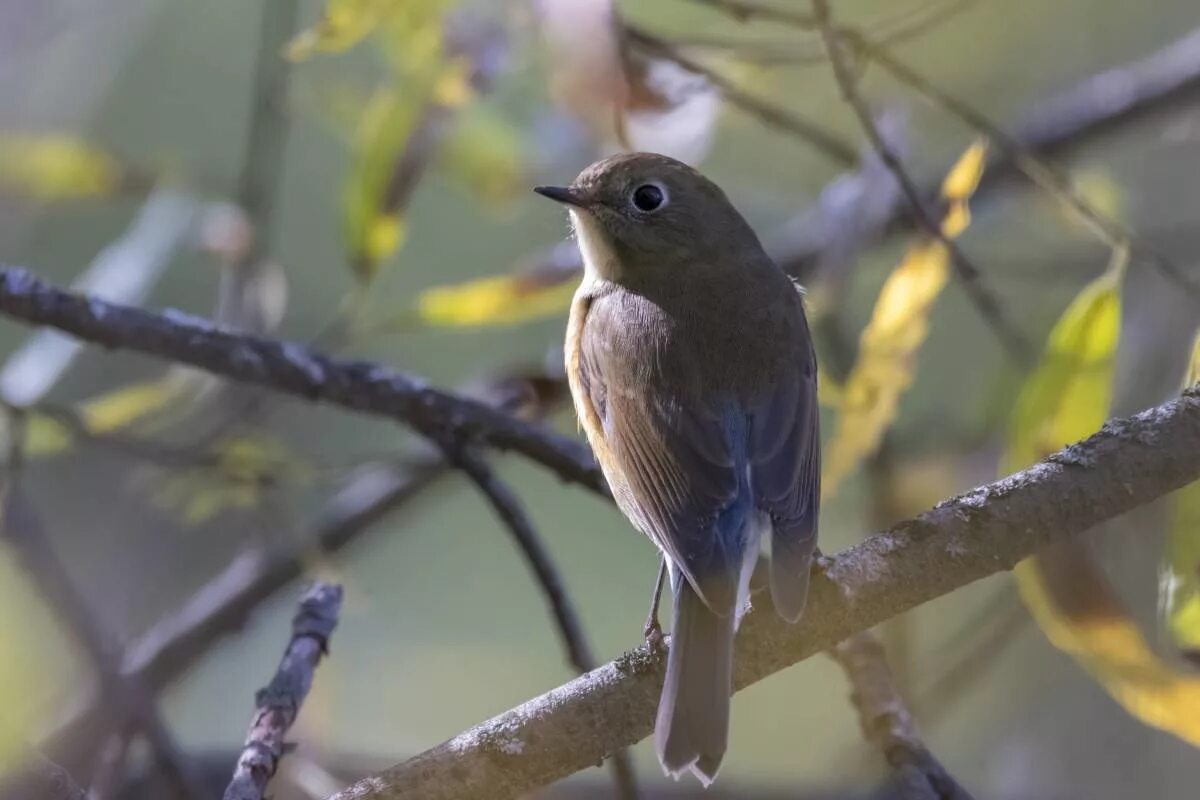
(278, 704)
(891, 30)
(886, 721)
(294, 369)
(1128, 463)
(983, 299)
(1045, 176)
(510, 511)
(770, 114)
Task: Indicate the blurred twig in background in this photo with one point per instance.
(981, 296)
(887, 722)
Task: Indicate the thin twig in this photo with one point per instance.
(1131, 461)
(981, 297)
(1045, 176)
(886, 721)
(509, 509)
(746, 9)
(770, 114)
(294, 369)
(278, 704)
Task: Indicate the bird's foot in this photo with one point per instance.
(653, 634)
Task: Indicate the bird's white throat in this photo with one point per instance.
(599, 259)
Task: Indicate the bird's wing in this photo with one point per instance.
(784, 454)
(666, 452)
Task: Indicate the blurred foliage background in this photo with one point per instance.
(402, 229)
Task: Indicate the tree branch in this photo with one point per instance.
(279, 702)
(1129, 462)
(294, 369)
(886, 721)
(510, 511)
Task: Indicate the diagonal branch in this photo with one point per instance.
(1129, 462)
(294, 369)
(510, 511)
(981, 296)
(278, 704)
(886, 721)
(508, 507)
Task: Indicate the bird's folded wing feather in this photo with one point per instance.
(665, 450)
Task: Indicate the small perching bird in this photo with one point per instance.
(693, 374)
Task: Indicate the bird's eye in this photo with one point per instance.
(649, 197)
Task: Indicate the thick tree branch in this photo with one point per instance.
(294, 369)
(989, 529)
(886, 721)
(279, 702)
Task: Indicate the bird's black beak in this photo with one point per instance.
(562, 194)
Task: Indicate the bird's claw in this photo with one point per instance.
(653, 634)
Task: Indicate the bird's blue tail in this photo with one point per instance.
(692, 728)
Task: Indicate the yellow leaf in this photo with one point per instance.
(887, 349)
(245, 470)
(1179, 588)
(107, 413)
(497, 300)
(1111, 647)
(886, 356)
(963, 179)
(452, 88)
(372, 222)
(1067, 398)
(343, 24)
(958, 187)
(56, 167)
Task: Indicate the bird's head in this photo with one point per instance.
(642, 215)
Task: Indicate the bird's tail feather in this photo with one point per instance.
(693, 713)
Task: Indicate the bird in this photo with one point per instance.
(694, 378)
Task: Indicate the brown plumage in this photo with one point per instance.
(693, 375)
